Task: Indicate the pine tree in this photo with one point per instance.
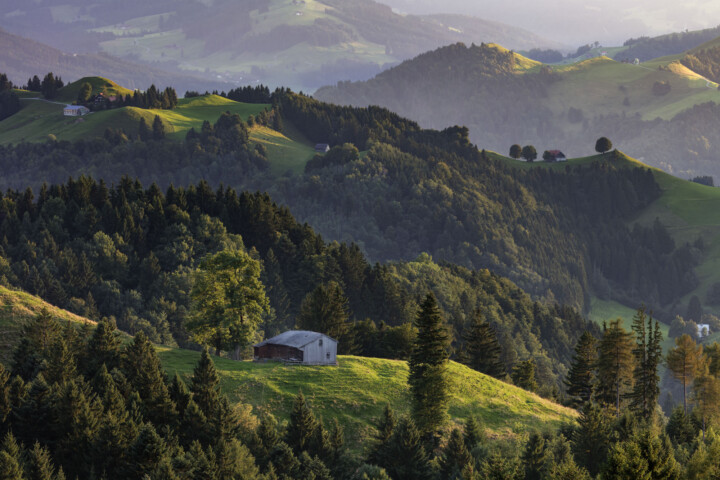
(146, 453)
(302, 425)
(158, 128)
(592, 438)
(474, 433)
(684, 361)
(428, 368)
(680, 427)
(455, 457)
(536, 457)
(567, 470)
(10, 459)
(483, 348)
(39, 465)
(205, 385)
(646, 456)
(103, 349)
(648, 355)
(615, 365)
(581, 375)
(406, 458)
(523, 375)
(325, 310)
(384, 430)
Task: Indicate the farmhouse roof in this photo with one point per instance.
(294, 338)
(556, 152)
(74, 107)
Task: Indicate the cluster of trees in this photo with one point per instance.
(132, 254)
(48, 86)
(706, 62)
(9, 101)
(152, 98)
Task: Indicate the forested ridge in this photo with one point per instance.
(552, 107)
(411, 191)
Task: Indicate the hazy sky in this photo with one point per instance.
(576, 22)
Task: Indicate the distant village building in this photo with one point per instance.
(703, 330)
(298, 346)
(556, 156)
(75, 110)
(322, 148)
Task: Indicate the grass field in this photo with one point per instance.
(287, 151)
(357, 390)
(17, 307)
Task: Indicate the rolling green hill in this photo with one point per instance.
(358, 389)
(354, 393)
(563, 107)
(37, 119)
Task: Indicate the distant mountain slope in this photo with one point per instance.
(21, 58)
(647, 48)
(299, 43)
(642, 108)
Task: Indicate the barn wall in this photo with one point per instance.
(278, 352)
(321, 354)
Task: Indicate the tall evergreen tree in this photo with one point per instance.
(455, 457)
(523, 375)
(591, 438)
(39, 465)
(615, 365)
(302, 425)
(428, 368)
(684, 361)
(385, 429)
(648, 355)
(581, 376)
(205, 385)
(483, 349)
(537, 457)
(325, 310)
(10, 459)
(646, 456)
(158, 128)
(406, 456)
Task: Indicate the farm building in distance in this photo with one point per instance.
(75, 110)
(557, 156)
(298, 346)
(322, 148)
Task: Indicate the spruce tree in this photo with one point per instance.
(614, 365)
(325, 310)
(680, 427)
(384, 431)
(158, 128)
(474, 433)
(483, 348)
(39, 465)
(302, 425)
(406, 458)
(10, 459)
(646, 456)
(591, 438)
(144, 132)
(523, 375)
(648, 355)
(455, 457)
(205, 385)
(581, 375)
(537, 458)
(103, 349)
(428, 368)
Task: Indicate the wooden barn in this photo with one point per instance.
(298, 346)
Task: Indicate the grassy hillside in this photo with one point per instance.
(357, 390)
(17, 307)
(37, 119)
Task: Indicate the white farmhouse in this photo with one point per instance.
(298, 346)
(703, 330)
(75, 110)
